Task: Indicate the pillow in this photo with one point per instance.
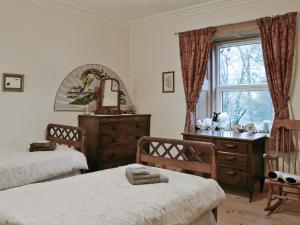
(284, 177)
(276, 175)
(291, 178)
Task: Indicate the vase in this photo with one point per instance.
(235, 127)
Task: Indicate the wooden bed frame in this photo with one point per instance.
(67, 135)
(180, 155)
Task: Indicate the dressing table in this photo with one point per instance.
(239, 157)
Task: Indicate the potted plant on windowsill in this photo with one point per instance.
(238, 115)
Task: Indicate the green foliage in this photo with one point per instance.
(238, 115)
(84, 100)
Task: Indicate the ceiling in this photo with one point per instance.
(132, 10)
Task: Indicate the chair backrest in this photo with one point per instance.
(287, 145)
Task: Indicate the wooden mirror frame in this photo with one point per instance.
(99, 103)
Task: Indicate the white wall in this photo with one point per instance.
(45, 44)
(154, 48)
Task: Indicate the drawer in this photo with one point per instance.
(233, 160)
(202, 139)
(113, 127)
(118, 140)
(232, 146)
(232, 176)
(137, 127)
(118, 156)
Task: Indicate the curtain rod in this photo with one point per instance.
(230, 24)
(218, 26)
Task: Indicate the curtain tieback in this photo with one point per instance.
(190, 106)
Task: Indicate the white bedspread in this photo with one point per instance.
(19, 168)
(106, 198)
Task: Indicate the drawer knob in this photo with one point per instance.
(231, 173)
(231, 158)
(137, 125)
(230, 146)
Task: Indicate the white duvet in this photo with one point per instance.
(106, 198)
(19, 168)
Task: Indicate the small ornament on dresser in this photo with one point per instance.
(250, 127)
(92, 107)
(200, 125)
(132, 109)
(215, 121)
(205, 124)
(266, 126)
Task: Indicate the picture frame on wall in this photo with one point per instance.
(13, 82)
(168, 82)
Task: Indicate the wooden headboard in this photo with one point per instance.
(194, 156)
(67, 135)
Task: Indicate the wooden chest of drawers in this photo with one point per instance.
(239, 157)
(112, 139)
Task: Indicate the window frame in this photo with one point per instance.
(219, 89)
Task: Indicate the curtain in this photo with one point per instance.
(195, 48)
(278, 42)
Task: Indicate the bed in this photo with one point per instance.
(21, 167)
(106, 198)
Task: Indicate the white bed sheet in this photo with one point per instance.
(106, 198)
(19, 168)
(207, 218)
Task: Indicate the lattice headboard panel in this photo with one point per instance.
(68, 135)
(193, 156)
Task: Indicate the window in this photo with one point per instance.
(238, 82)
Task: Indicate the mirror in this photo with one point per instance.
(108, 97)
(110, 93)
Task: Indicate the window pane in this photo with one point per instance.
(241, 64)
(258, 105)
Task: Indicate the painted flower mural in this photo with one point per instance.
(78, 88)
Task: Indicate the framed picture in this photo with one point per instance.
(168, 82)
(13, 82)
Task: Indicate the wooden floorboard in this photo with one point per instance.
(238, 211)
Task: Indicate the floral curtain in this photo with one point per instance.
(278, 42)
(195, 48)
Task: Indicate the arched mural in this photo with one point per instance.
(78, 89)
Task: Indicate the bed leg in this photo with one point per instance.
(215, 212)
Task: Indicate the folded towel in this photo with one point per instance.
(151, 178)
(45, 146)
(147, 176)
(137, 170)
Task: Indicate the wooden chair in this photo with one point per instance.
(285, 160)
